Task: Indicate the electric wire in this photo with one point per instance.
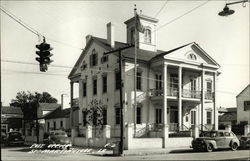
(160, 9)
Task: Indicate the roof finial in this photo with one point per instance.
(140, 12)
(135, 8)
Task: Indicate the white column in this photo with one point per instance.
(165, 124)
(80, 116)
(202, 99)
(215, 103)
(179, 98)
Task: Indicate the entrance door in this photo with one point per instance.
(158, 116)
(173, 126)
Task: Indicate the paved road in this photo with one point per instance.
(22, 154)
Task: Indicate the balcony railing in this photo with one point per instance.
(159, 92)
(209, 95)
(174, 92)
(191, 93)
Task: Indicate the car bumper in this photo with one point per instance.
(16, 142)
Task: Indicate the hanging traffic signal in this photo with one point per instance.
(44, 55)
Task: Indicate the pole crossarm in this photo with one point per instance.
(237, 2)
(119, 49)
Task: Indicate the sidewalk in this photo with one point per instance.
(156, 151)
(138, 152)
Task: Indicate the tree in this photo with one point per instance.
(95, 115)
(29, 102)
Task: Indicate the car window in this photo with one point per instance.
(220, 134)
(227, 134)
(14, 134)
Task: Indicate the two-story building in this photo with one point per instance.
(243, 106)
(175, 89)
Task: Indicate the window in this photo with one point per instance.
(226, 134)
(83, 66)
(138, 115)
(117, 80)
(95, 114)
(209, 87)
(246, 105)
(48, 126)
(158, 116)
(104, 84)
(138, 81)
(132, 35)
(95, 87)
(84, 88)
(192, 56)
(209, 117)
(147, 36)
(117, 116)
(84, 114)
(104, 114)
(54, 125)
(193, 84)
(193, 121)
(104, 59)
(173, 83)
(93, 59)
(158, 82)
(61, 123)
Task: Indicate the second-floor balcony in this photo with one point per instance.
(186, 93)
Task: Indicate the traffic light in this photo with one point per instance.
(44, 55)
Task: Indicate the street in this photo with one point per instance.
(22, 153)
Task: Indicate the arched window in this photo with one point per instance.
(147, 35)
(192, 56)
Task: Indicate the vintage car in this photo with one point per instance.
(245, 141)
(211, 140)
(14, 138)
(57, 137)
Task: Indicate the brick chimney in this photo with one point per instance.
(111, 34)
(88, 37)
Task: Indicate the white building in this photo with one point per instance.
(185, 76)
(243, 106)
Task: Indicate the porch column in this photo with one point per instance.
(202, 99)
(179, 99)
(71, 103)
(215, 102)
(165, 120)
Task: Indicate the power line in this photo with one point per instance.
(161, 9)
(25, 25)
(193, 9)
(18, 20)
(25, 72)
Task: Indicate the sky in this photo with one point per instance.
(66, 23)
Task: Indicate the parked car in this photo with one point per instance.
(57, 137)
(14, 138)
(245, 141)
(3, 137)
(211, 140)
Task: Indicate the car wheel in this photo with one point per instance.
(234, 146)
(209, 148)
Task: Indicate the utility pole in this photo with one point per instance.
(121, 97)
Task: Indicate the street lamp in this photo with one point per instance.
(226, 11)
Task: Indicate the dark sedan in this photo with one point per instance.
(57, 137)
(14, 138)
(245, 141)
(215, 140)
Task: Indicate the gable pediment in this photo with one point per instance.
(191, 54)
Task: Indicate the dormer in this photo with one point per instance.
(147, 39)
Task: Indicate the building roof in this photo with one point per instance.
(243, 90)
(143, 55)
(49, 106)
(229, 109)
(229, 116)
(11, 110)
(58, 113)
